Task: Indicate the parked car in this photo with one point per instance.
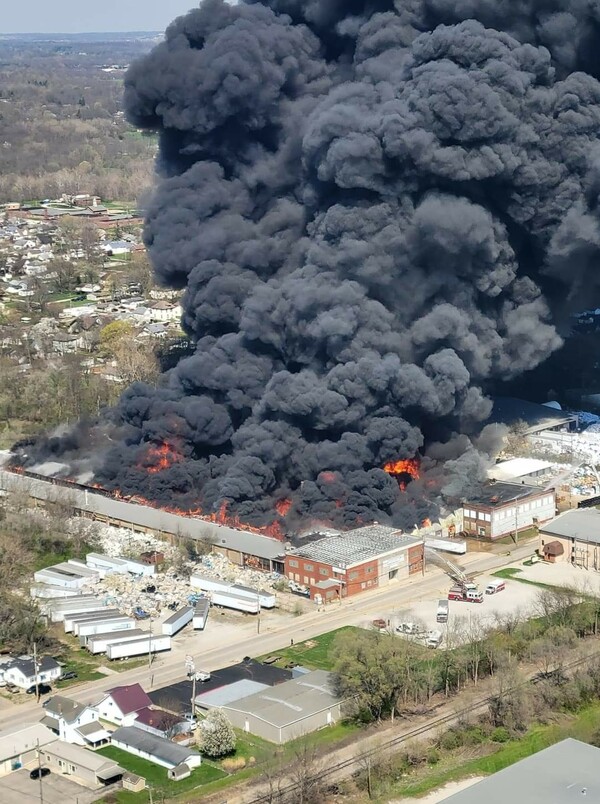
(69, 674)
(408, 628)
(202, 675)
(42, 689)
(140, 614)
(380, 625)
(190, 718)
(37, 772)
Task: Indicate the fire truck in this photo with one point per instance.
(467, 592)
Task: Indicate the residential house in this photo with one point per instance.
(22, 671)
(64, 344)
(155, 749)
(74, 722)
(120, 704)
(84, 767)
(160, 722)
(164, 311)
(19, 745)
(116, 247)
(153, 331)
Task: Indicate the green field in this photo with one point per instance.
(156, 777)
(316, 654)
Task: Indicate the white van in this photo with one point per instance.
(434, 639)
(495, 586)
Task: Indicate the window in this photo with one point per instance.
(293, 562)
(305, 580)
(363, 584)
(353, 575)
(487, 517)
(323, 571)
(370, 570)
(309, 567)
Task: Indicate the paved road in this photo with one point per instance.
(168, 668)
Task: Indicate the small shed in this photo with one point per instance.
(552, 550)
(178, 773)
(133, 782)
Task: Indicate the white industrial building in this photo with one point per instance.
(517, 469)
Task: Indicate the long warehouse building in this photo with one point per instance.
(240, 546)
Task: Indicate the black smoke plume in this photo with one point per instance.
(378, 211)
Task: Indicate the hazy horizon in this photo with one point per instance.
(71, 17)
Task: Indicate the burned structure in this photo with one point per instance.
(378, 211)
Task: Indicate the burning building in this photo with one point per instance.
(379, 211)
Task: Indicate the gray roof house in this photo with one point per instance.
(289, 710)
(561, 774)
(155, 749)
(88, 768)
(582, 524)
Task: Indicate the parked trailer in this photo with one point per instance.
(96, 614)
(267, 600)
(201, 611)
(125, 650)
(98, 643)
(104, 626)
(58, 609)
(178, 620)
(227, 600)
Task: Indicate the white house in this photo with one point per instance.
(155, 749)
(21, 672)
(121, 704)
(74, 722)
(163, 311)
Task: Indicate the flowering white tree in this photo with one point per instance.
(217, 736)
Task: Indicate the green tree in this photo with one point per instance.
(217, 736)
(376, 670)
(112, 335)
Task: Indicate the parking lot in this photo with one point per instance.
(465, 619)
(18, 788)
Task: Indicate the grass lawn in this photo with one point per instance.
(316, 654)
(156, 776)
(513, 574)
(582, 726)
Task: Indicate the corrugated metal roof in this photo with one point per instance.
(230, 693)
(291, 701)
(582, 524)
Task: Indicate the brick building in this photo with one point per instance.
(349, 563)
(501, 509)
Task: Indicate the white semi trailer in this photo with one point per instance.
(91, 627)
(97, 643)
(178, 620)
(141, 647)
(267, 599)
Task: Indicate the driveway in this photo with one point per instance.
(18, 788)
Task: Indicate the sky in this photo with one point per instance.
(78, 16)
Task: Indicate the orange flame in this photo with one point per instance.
(409, 466)
(327, 477)
(426, 523)
(283, 506)
(158, 458)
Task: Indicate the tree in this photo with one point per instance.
(112, 335)
(66, 274)
(376, 670)
(136, 361)
(217, 736)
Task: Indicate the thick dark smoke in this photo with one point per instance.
(378, 210)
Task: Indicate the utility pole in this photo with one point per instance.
(40, 773)
(517, 523)
(150, 650)
(258, 614)
(36, 670)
